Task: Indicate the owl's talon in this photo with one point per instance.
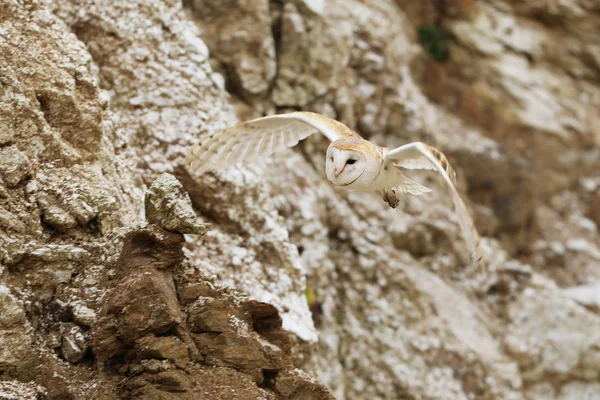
(390, 198)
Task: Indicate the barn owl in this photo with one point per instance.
(352, 162)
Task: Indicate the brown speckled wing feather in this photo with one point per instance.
(415, 156)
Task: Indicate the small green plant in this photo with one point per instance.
(433, 40)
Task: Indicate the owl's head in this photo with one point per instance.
(346, 161)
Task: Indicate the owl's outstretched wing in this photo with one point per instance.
(422, 156)
(260, 137)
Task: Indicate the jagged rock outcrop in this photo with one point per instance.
(98, 99)
(170, 331)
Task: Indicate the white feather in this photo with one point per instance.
(413, 154)
(258, 138)
(409, 186)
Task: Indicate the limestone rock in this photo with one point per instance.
(15, 339)
(83, 315)
(169, 206)
(99, 98)
(14, 167)
(240, 33)
(12, 390)
(586, 295)
(579, 390)
(74, 344)
(557, 341)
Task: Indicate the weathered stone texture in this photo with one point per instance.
(103, 297)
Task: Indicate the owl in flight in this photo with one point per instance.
(352, 162)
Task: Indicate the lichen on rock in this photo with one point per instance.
(169, 206)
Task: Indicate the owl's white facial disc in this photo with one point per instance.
(344, 167)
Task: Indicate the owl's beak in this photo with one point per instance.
(338, 173)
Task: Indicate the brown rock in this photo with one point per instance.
(298, 385)
(192, 291)
(246, 351)
(218, 383)
(162, 348)
(139, 306)
(171, 384)
(267, 322)
(147, 305)
(145, 302)
(216, 315)
(151, 247)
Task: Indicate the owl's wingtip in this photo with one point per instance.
(193, 166)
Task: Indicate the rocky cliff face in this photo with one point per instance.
(111, 288)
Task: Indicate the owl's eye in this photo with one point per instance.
(350, 161)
